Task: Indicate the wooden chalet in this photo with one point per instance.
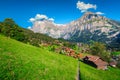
(96, 62)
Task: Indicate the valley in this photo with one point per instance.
(23, 61)
(59, 40)
(28, 55)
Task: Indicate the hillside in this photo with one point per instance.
(90, 73)
(20, 61)
(9, 28)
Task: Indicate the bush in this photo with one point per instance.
(99, 49)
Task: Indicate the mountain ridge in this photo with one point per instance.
(90, 26)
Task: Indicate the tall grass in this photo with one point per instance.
(20, 61)
(90, 73)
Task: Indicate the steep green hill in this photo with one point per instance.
(20, 61)
(90, 73)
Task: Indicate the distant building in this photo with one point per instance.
(80, 56)
(96, 62)
(113, 63)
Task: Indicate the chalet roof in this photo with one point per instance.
(97, 60)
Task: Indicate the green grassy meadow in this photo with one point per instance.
(20, 61)
(90, 73)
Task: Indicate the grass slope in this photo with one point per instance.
(115, 53)
(20, 61)
(90, 73)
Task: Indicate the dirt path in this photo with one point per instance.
(79, 76)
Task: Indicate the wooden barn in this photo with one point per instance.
(96, 62)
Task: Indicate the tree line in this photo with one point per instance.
(10, 29)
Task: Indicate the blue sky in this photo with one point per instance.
(62, 11)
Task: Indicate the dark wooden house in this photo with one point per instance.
(96, 62)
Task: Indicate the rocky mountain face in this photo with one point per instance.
(90, 27)
(48, 28)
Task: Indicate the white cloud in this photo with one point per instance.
(100, 13)
(29, 27)
(40, 17)
(84, 7)
(32, 19)
(51, 19)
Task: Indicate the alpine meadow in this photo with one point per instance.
(59, 40)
